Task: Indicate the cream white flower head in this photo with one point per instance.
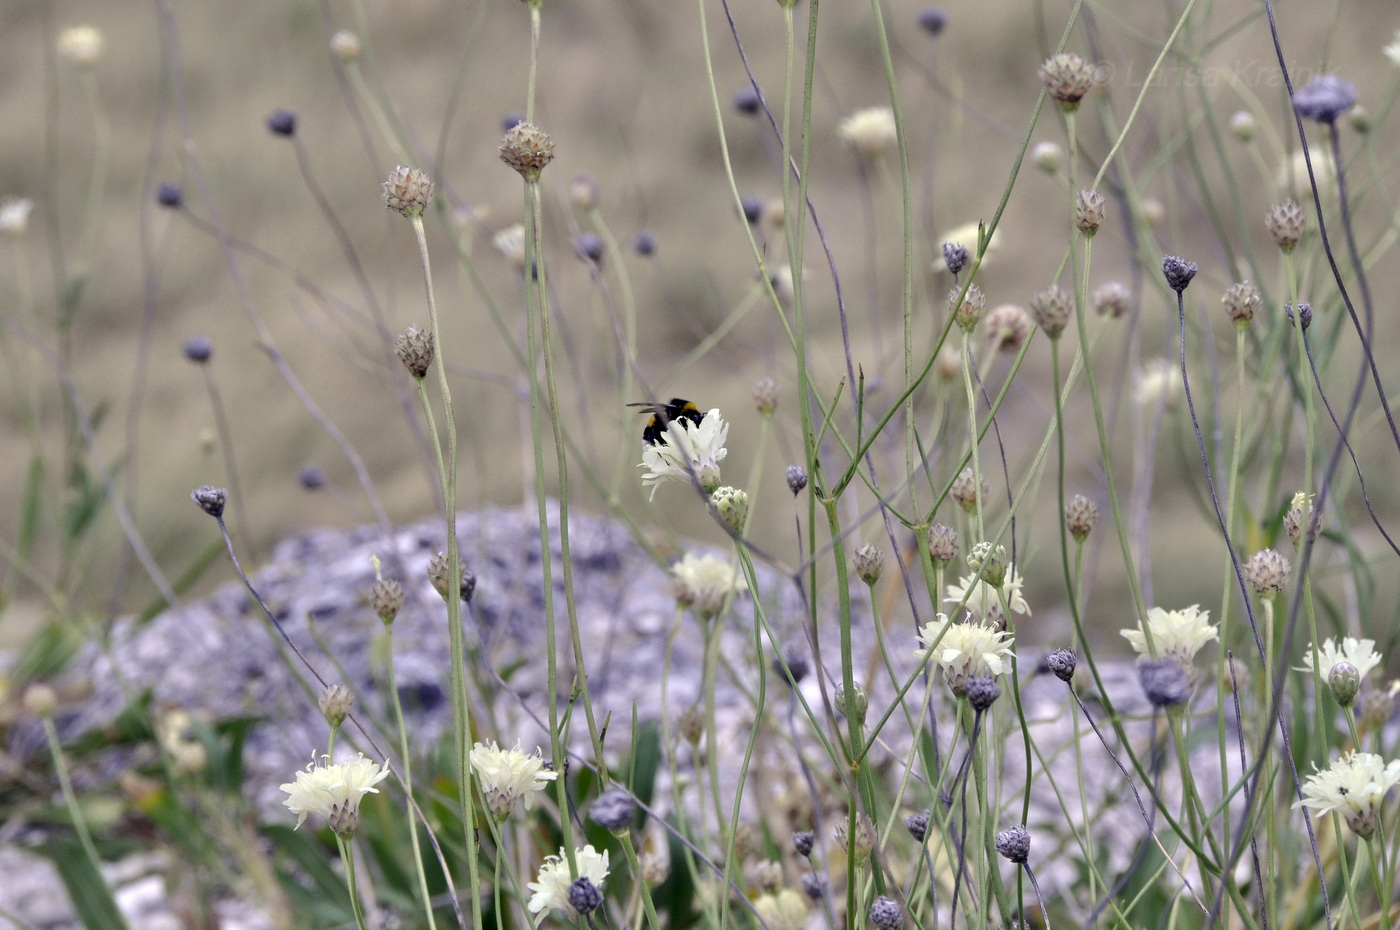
(510, 242)
(1291, 177)
(14, 215)
(1176, 633)
(870, 131)
(1353, 786)
(1158, 382)
(1392, 51)
(966, 236)
(333, 790)
(551, 889)
(782, 909)
(509, 775)
(704, 583)
(1359, 652)
(984, 601)
(81, 45)
(964, 650)
(685, 450)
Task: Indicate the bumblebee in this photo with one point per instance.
(678, 408)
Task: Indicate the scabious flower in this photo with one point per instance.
(785, 909)
(1353, 786)
(870, 131)
(551, 889)
(1176, 633)
(966, 650)
(334, 790)
(509, 775)
(703, 582)
(1359, 652)
(685, 450)
(983, 602)
(1158, 382)
(1324, 98)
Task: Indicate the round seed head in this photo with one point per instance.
(1286, 222)
(282, 122)
(408, 191)
(584, 896)
(1081, 514)
(346, 46)
(1089, 209)
(1305, 314)
(955, 256)
(1241, 301)
(170, 196)
(747, 101)
(310, 477)
(198, 349)
(981, 692)
(335, 702)
(589, 247)
(969, 310)
(210, 500)
(1060, 663)
(791, 666)
(796, 479)
(932, 20)
(1007, 327)
(1178, 272)
(813, 886)
(886, 914)
(1067, 78)
(1052, 308)
(1324, 98)
(1267, 573)
(803, 841)
(1113, 300)
(943, 542)
(613, 809)
(644, 244)
(917, 825)
(1014, 844)
(386, 597)
(752, 208)
(438, 575)
(511, 119)
(1164, 681)
(1345, 681)
(527, 149)
(765, 396)
(414, 347)
(869, 563)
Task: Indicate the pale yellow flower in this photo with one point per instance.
(685, 450)
(1353, 786)
(965, 650)
(333, 790)
(870, 131)
(14, 215)
(1176, 633)
(984, 600)
(81, 45)
(551, 889)
(784, 909)
(1359, 652)
(703, 583)
(509, 775)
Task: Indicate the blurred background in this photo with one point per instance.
(282, 245)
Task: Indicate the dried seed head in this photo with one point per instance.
(968, 491)
(969, 310)
(1067, 78)
(1061, 663)
(1113, 300)
(1089, 209)
(765, 396)
(170, 196)
(210, 500)
(1007, 327)
(691, 725)
(1345, 681)
(1241, 301)
(584, 896)
(386, 597)
(792, 667)
(437, 574)
(408, 191)
(527, 149)
(1305, 314)
(613, 809)
(310, 477)
(1052, 308)
(1178, 272)
(796, 479)
(747, 100)
(859, 845)
(886, 914)
(1081, 514)
(733, 507)
(752, 208)
(1165, 682)
(1299, 518)
(955, 256)
(589, 247)
(803, 841)
(869, 563)
(1267, 572)
(1286, 222)
(943, 542)
(335, 702)
(282, 122)
(583, 191)
(1014, 844)
(981, 692)
(813, 886)
(1324, 98)
(346, 46)
(414, 347)
(198, 349)
(917, 825)
(932, 19)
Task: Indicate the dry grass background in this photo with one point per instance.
(623, 92)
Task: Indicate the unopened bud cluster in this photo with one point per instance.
(1007, 327)
(1067, 78)
(408, 191)
(1081, 515)
(869, 563)
(943, 543)
(527, 149)
(968, 310)
(968, 491)
(1241, 301)
(1052, 308)
(1089, 208)
(414, 347)
(1113, 300)
(1267, 572)
(1285, 222)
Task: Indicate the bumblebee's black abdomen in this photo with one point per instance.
(662, 414)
